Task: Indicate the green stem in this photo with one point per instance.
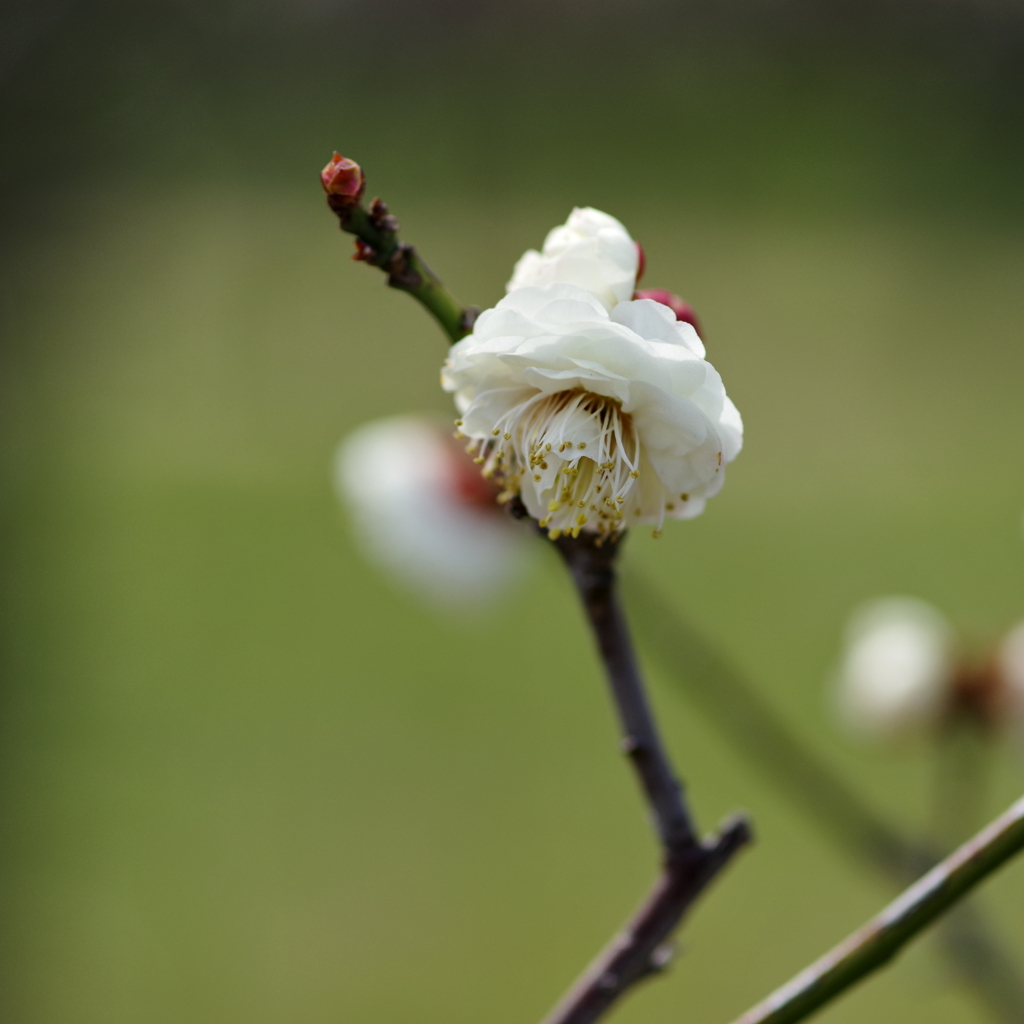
(377, 232)
(757, 732)
(874, 945)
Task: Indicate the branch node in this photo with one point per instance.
(364, 253)
(380, 218)
(401, 270)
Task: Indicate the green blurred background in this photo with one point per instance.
(245, 779)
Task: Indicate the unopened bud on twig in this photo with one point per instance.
(682, 309)
(343, 181)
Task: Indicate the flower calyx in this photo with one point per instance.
(978, 693)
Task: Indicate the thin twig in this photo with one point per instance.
(689, 864)
(874, 945)
(757, 732)
(378, 244)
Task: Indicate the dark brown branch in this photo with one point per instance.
(689, 863)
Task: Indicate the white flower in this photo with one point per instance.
(898, 666)
(590, 250)
(423, 511)
(597, 420)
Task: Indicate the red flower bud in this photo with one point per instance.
(344, 179)
(682, 309)
(364, 252)
(641, 261)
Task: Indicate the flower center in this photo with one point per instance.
(576, 451)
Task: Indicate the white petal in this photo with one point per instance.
(592, 250)
(649, 319)
(479, 418)
(897, 665)
(393, 477)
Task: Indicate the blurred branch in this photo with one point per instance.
(378, 244)
(963, 760)
(983, 963)
(756, 731)
(962, 765)
(759, 734)
(874, 945)
(689, 864)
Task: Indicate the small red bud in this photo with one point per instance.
(682, 309)
(641, 261)
(363, 251)
(344, 179)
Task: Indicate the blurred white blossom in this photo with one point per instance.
(591, 250)
(599, 420)
(897, 668)
(422, 510)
